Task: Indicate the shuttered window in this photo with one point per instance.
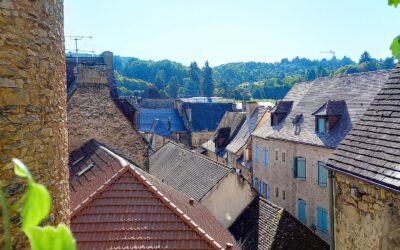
(301, 210)
(299, 168)
(265, 153)
(256, 152)
(322, 220)
(321, 125)
(322, 174)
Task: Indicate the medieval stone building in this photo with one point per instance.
(33, 101)
(93, 112)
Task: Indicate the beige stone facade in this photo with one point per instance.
(33, 101)
(199, 138)
(285, 190)
(370, 220)
(228, 199)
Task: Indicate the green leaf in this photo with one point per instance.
(395, 47)
(21, 170)
(36, 205)
(51, 238)
(394, 2)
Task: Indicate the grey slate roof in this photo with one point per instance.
(186, 171)
(232, 120)
(355, 89)
(206, 116)
(246, 129)
(157, 103)
(147, 117)
(263, 225)
(372, 148)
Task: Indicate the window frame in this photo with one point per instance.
(265, 158)
(256, 152)
(283, 157)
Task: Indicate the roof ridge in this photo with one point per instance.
(195, 153)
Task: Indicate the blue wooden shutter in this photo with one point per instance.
(265, 156)
(301, 209)
(295, 167)
(256, 153)
(322, 174)
(322, 219)
(301, 167)
(321, 125)
(260, 187)
(268, 192)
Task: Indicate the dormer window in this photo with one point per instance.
(279, 112)
(328, 115)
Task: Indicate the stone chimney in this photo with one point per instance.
(33, 102)
(250, 107)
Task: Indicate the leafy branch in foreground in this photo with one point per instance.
(35, 206)
(395, 47)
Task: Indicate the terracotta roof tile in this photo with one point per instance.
(115, 205)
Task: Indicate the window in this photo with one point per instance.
(265, 156)
(322, 220)
(321, 125)
(276, 155)
(267, 194)
(283, 157)
(322, 174)
(255, 182)
(256, 153)
(283, 194)
(300, 168)
(277, 192)
(260, 187)
(301, 210)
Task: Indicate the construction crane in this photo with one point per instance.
(331, 52)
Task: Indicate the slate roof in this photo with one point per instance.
(356, 90)
(232, 120)
(245, 131)
(263, 225)
(115, 205)
(206, 116)
(186, 171)
(159, 128)
(371, 150)
(147, 116)
(157, 103)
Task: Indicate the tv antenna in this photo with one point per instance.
(80, 38)
(331, 52)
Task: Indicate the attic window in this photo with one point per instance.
(321, 124)
(222, 137)
(83, 171)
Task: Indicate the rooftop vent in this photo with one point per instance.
(83, 171)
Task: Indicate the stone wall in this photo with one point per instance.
(32, 100)
(92, 74)
(368, 221)
(199, 138)
(278, 174)
(92, 114)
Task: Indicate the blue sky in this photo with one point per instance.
(224, 31)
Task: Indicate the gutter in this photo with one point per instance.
(331, 209)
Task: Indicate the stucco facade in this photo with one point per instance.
(285, 189)
(367, 220)
(33, 103)
(228, 199)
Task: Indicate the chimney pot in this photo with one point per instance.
(191, 201)
(229, 246)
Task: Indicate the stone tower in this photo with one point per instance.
(33, 100)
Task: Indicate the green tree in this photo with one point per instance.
(173, 87)
(151, 92)
(194, 87)
(208, 84)
(159, 81)
(388, 63)
(310, 74)
(365, 57)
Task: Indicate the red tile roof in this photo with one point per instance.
(115, 205)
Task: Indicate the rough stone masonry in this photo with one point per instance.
(33, 101)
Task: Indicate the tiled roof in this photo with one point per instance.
(159, 128)
(115, 205)
(157, 103)
(263, 225)
(186, 171)
(246, 129)
(206, 116)
(231, 120)
(372, 148)
(147, 117)
(356, 90)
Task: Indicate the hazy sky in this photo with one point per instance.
(233, 30)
